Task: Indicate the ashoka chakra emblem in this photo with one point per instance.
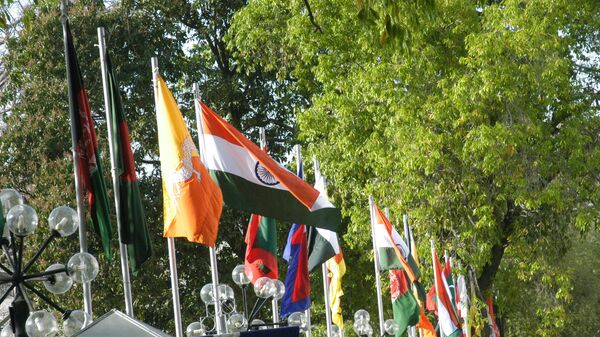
(264, 175)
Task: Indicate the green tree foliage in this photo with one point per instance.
(484, 129)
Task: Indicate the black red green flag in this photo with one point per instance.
(89, 168)
(134, 232)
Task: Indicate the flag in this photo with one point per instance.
(448, 275)
(323, 244)
(192, 202)
(462, 297)
(393, 252)
(297, 284)
(252, 181)
(134, 231)
(492, 316)
(447, 320)
(261, 247)
(337, 268)
(404, 305)
(86, 148)
(425, 325)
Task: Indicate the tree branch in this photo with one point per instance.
(311, 17)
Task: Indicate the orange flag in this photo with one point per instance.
(425, 325)
(192, 201)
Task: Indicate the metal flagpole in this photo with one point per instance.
(377, 271)
(412, 331)
(214, 271)
(324, 270)
(307, 312)
(170, 241)
(113, 160)
(274, 304)
(83, 246)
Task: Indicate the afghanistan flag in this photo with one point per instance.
(88, 161)
(252, 181)
(134, 232)
(323, 244)
(261, 247)
(192, 201)
(404, 305)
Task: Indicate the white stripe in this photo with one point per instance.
(330, 236)
(445, 322)
(382, 239)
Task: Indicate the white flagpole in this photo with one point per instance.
(83, 246)
(115, 177)
(307, 312)
(170, 241)
(324, 269)
(377, 271)
(214, 271)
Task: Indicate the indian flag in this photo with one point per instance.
(447, 319)
(393, 251)
(252, 181)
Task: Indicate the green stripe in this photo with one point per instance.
(134, 231)
(389, 260)
(319, 249)
(241, 194)
(406, 312)
(266, 236)
(99, 209)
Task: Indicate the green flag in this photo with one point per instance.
(134, 232)
(404, 305)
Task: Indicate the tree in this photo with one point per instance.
(484, 130)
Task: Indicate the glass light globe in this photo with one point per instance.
(260, 323)
(297, 319)
(226, 293)
(264, 287)
(241, 275)
(206, 294)
(195, 329)
(77, 320)
(279, 289)
(369, 331)
(362, 314)
(391, 327)
(22, 220)
(7, 331)
(83, 267)
(41, 324)
(59, 283)
(64, 220)
(10, 198)
(360, 327)
(237, 323)
(335, 331)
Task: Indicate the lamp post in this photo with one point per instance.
(19, 221)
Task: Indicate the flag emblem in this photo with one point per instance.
(264, 176)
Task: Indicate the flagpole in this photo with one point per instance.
(307, 312)
(170, 241)
(214, 271)
(274, 304)
(324, 273)
(113, 160)
(83, 246)
(412, 331)
(377, 271)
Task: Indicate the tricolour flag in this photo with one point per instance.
(252, 181)
(404, 305)
(192, 201)
(88, 160)
(393, 251)
(337, 268)
(489, 305)
(323, 244)
(297, 283)
(447, 319)
(261, 247)
(134, 231)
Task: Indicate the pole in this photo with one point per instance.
(412, 331)
(298, 165)
(115, 175)
(214, 271)
(170, 241)
(324, 268)
(377, 271)
(83, 246)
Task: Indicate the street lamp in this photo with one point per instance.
(361, 326)
(21, 220)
